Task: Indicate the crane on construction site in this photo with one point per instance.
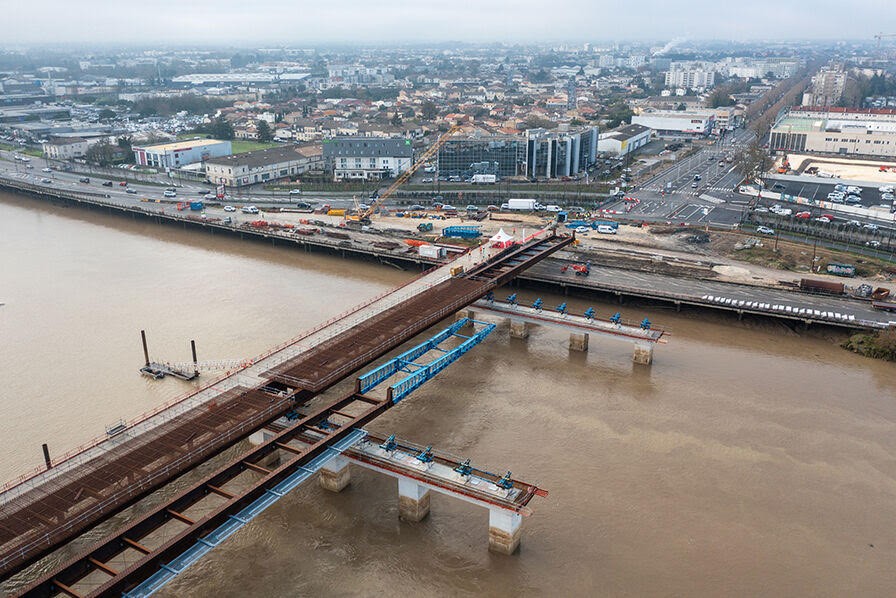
(880, 36)
(363, 214)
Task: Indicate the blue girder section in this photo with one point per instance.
(403, 362)
(203, 546)
(403, 388)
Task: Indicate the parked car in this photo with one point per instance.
(778, 187)
(854, 223)
(472, 208)
(416, 206)
(169, 193)
(840, 188)
(123, 184)
(853, 199)
(229, 209)
(803, 215)
(854, 190)
(553, 208)
(427, 179)
(887, 189)
(249, 210)
(46, 181)
(870, 226)
(582, 230)
(823, 219)
(505, 206)
(764, 230)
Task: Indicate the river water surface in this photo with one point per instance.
(748, 460)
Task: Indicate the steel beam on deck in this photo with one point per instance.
(153, 559)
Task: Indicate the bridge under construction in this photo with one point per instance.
(43, 510)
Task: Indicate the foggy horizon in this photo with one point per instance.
(226, 22)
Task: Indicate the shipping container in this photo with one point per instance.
(841, 269)
(431, 251)
(821, 286)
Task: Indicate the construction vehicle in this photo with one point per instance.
(362, 216)
(579, 269)
(785, 166)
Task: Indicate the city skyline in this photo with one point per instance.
(205, 22)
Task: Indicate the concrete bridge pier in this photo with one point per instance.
(504, 530)
(465, 313)
(335, 475)
(578, 341)
(643, 353)
(519, 329)
(413, 500)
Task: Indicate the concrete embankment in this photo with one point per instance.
(651, 284)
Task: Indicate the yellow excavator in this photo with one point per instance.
(362, 215)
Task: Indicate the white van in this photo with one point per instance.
(606, 229)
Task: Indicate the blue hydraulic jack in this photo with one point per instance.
(425, 455)
(464, 468)
(505, 482)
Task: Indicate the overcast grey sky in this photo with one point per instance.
(304, 21)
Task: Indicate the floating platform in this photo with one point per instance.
(157, 371)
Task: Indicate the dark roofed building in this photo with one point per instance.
(367, 158)
(263, 165)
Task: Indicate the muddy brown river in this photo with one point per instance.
(748, 460)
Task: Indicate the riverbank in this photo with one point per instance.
(393, 241)
(877, 345)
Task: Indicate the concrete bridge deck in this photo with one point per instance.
(686, 291)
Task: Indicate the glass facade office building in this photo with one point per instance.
(553, 155)
(501, 156)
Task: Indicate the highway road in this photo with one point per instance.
(672, 196)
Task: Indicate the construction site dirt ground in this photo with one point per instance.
(845, 168)
(655, 248)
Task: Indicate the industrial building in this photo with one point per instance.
(844, 131)
(624, 140)
(262, 166)
(677, 124)
(166, 156)
(367, 158)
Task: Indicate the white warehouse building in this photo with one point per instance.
(624, 140)
(677, 123)
(180, 153)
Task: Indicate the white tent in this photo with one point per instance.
(501, 239)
